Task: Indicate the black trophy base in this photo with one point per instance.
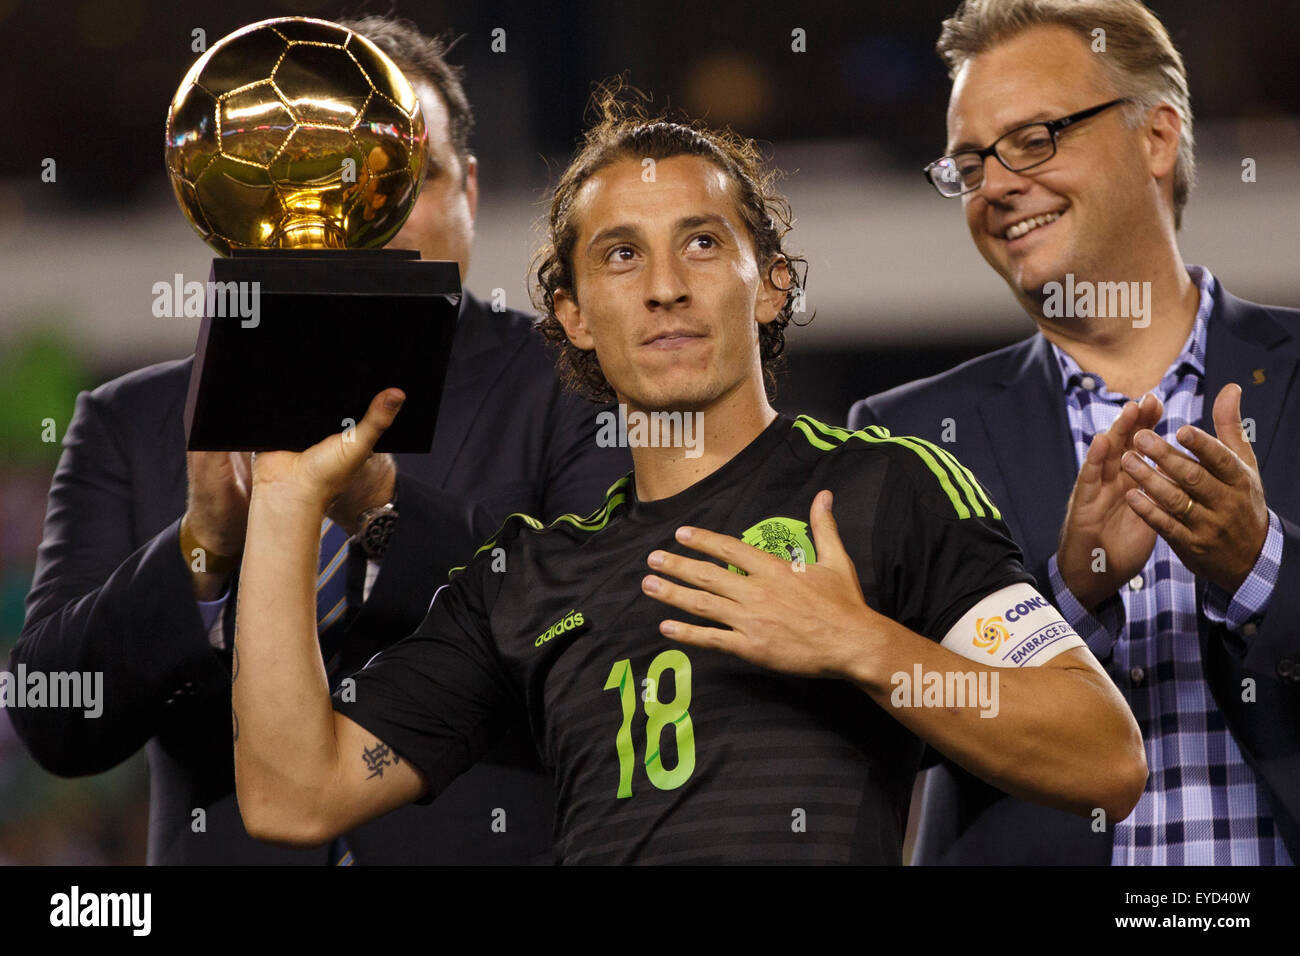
(297, 357)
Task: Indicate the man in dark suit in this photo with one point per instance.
(1073, 165)
(115, 590)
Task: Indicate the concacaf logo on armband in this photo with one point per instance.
(990, 632)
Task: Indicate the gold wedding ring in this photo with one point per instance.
(1183, 515)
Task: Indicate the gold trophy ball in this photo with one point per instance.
(295, 133)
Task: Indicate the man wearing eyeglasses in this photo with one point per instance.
(1070, 149)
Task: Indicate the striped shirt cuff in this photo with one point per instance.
(1250, 601)
(1099, 630)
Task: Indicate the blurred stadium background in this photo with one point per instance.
(898, 289)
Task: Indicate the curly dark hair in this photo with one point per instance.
(623, 129)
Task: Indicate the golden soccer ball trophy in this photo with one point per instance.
(295, 133)
(296, 148)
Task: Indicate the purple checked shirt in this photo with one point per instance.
(1202, 803)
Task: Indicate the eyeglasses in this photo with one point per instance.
(1022, 148)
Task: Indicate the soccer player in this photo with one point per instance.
(116, 588)
(714, 667)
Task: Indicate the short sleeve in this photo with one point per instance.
(441, 698)
(939, 543)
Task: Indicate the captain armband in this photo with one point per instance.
(1013, 627)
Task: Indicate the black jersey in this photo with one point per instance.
(662, 752)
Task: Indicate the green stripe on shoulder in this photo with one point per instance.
(491, 542)
(968, 480)
(615, 496)
(957, 482)
(975, 494)
(812, 437)
(940, 472)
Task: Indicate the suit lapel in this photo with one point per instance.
(1241, 347)
(1029, 438)
(478, 356)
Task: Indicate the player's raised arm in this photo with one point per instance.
(303, 773)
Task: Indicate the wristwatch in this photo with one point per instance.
(376, 529)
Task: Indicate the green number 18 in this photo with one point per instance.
(658, 716)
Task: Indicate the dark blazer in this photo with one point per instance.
(1009, 414)
(112, 593)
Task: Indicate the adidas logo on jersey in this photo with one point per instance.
(570, 622)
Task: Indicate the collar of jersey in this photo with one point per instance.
(743, 463)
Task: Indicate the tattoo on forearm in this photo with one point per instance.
(378, 757)
(234, 662)
(234, 717)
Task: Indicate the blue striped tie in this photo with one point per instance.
(331, 602)
(332, 580)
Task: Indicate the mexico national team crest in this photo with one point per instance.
(784, 537)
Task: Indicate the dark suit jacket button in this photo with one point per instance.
(1286, 669)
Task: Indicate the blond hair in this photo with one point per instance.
(1140, 59)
